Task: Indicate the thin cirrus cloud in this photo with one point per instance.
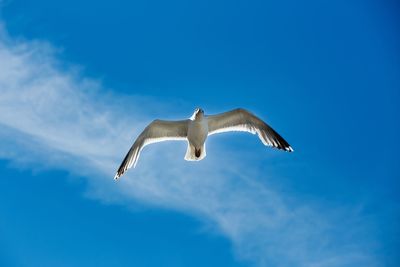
(52, 116)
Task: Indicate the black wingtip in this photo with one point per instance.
(289, 149)
(119, 173)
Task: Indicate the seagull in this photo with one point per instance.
(195, 131)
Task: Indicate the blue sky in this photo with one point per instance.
(79, 81)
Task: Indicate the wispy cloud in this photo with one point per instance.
(51, 115)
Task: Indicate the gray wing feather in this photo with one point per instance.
(157, 131)
(244, 121)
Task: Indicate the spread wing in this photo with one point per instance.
(244, 121)
(156, 131)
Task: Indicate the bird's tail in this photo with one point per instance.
(194, 153)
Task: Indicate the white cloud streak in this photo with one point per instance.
(53, 116)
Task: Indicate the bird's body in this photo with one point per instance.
(196, 136)
(196, 130)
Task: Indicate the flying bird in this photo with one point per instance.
(195, 131)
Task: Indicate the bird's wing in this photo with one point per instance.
(244, 121)
(156, 131)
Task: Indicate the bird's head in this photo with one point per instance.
(198, 114)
